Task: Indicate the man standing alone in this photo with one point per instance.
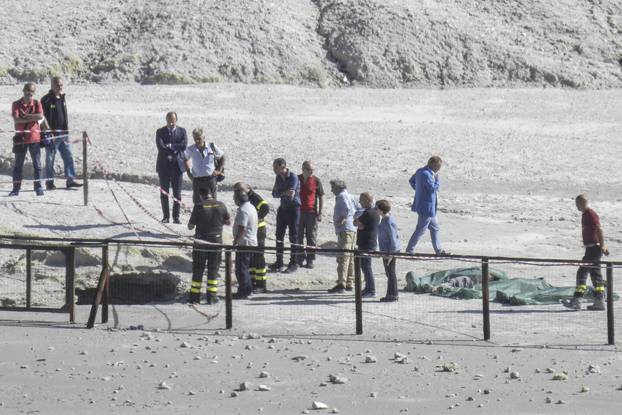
(426, 183)
(55, 112)
(594, 243)
(287, 188)
(312, 203)
(27, 113)
(171, 141)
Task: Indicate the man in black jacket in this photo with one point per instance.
(171, 141)
(55, 113)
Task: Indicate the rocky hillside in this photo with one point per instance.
(374, 43)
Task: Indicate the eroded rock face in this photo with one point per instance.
(405, 43)
(137, 288)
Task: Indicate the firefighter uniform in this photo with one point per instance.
(209, 218)
(258, 261)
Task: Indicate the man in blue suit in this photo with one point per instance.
(171, 141)
(426, 184)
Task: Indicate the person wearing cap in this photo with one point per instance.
(343, 221)
(171, 141)
(27, 113)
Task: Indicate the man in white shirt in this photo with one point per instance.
(208, 164)
(244, 235)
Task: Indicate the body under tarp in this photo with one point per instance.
(466, 284)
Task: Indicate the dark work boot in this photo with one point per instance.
(574, 303)
(212, 298)
(165, 209)
(599, 304)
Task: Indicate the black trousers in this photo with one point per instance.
(287, 219)
(307, 226)
(202, 255)
(389, 269)
(207, 182)
(170, 177)
(258, 259)
(592, 254)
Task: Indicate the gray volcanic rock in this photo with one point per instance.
(406, 43)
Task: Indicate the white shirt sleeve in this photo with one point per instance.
(187, 153)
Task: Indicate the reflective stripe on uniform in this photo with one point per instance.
(212, 286)
(195, 290)
(261, 224)
(196, 284)
(260, 204)
(600, 289)
(581, 288)
(260, 274)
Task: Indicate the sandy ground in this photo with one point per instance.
(515, 159)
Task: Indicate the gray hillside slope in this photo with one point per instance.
(389, 44)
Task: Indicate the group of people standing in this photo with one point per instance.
(42, 123)
(363, 223)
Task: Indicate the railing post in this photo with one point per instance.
(28, 277)
(358, 298)
(85, 174)
(228, 293)
(105, 267)
(610, 327)
(70, 275)
(485, 299)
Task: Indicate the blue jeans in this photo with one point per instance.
(20, 157)
(424, 223)
(287, 218)
(61, 144)
(370, 285)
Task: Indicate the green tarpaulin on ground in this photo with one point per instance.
(465, 284)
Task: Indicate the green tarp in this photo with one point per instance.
(465, 284)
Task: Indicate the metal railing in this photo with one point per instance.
(69, 245)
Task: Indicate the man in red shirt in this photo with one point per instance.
(594, 249)
(27, 113)
(312, 203)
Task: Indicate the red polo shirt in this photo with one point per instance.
(310, 191)
(33, 134)
(590, 224)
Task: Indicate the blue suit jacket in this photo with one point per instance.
(425, 186)
(171, 157)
